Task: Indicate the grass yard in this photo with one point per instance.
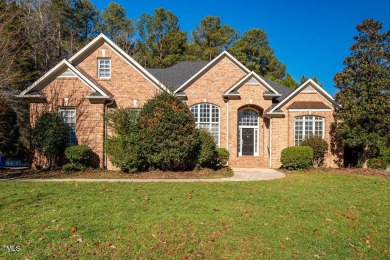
(313, 215)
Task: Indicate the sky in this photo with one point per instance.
(311, 37)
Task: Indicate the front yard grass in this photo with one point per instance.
(301, 216)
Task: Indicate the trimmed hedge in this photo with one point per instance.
(79, 157)
(78, 154)
(297, 157)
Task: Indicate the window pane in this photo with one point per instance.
(306, 126)
(206, 116)
(68, 115)
(104, 68)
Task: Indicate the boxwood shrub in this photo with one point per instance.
(297, 157)
(79, 157)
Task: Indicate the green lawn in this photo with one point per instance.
(301, 216)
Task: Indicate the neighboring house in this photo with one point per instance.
(252, 117)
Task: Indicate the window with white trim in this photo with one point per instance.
(207, 117)
(305, 126)
(68, 115)
(104, 68)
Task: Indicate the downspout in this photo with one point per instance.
(227, 125)
(270, 143)
(105, 133)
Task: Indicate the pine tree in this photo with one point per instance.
(162, 42)
(212, 37)
(253, 50)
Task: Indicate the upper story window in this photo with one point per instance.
(207, 117)
(104, 68)
(305, 126)
(68, 115)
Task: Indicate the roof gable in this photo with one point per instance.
(56, 71)
(252, 78)
(309, 85)
(97, 42)
(210, 65)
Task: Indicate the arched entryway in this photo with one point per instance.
(248, 132)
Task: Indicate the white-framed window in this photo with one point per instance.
(68, 115)
(104, 68)
(207, 117)
(305, 126)
(248, 132)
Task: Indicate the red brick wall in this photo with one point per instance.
(89, 117)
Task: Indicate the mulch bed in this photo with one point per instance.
(101, 174)
(348, 171)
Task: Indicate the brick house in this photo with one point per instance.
(252, 117)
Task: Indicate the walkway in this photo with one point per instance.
(240, 174)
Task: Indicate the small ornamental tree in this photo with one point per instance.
(9, 132)
(50, 137)
(168, 138)
(319, 146)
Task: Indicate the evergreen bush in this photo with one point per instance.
(168, 137)
(50, 137)
(207, 154)
(79, 154)
(297, 157)
(124, 152)
(222, 157)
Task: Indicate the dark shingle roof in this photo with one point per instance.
(175, 76)
(279, 88)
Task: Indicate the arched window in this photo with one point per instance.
(248, 132)
(207, 117)
(305, 126)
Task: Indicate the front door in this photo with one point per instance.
(247, 141)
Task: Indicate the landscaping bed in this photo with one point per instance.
(101, 174)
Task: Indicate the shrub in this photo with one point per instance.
(50, 137)
(207, 154)
(78, 154)
(123, 121)
(297, 157)
(222, 157)
(124, 152)
(168, 137)
(377, 163)
(384, 152)
(319, 146)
